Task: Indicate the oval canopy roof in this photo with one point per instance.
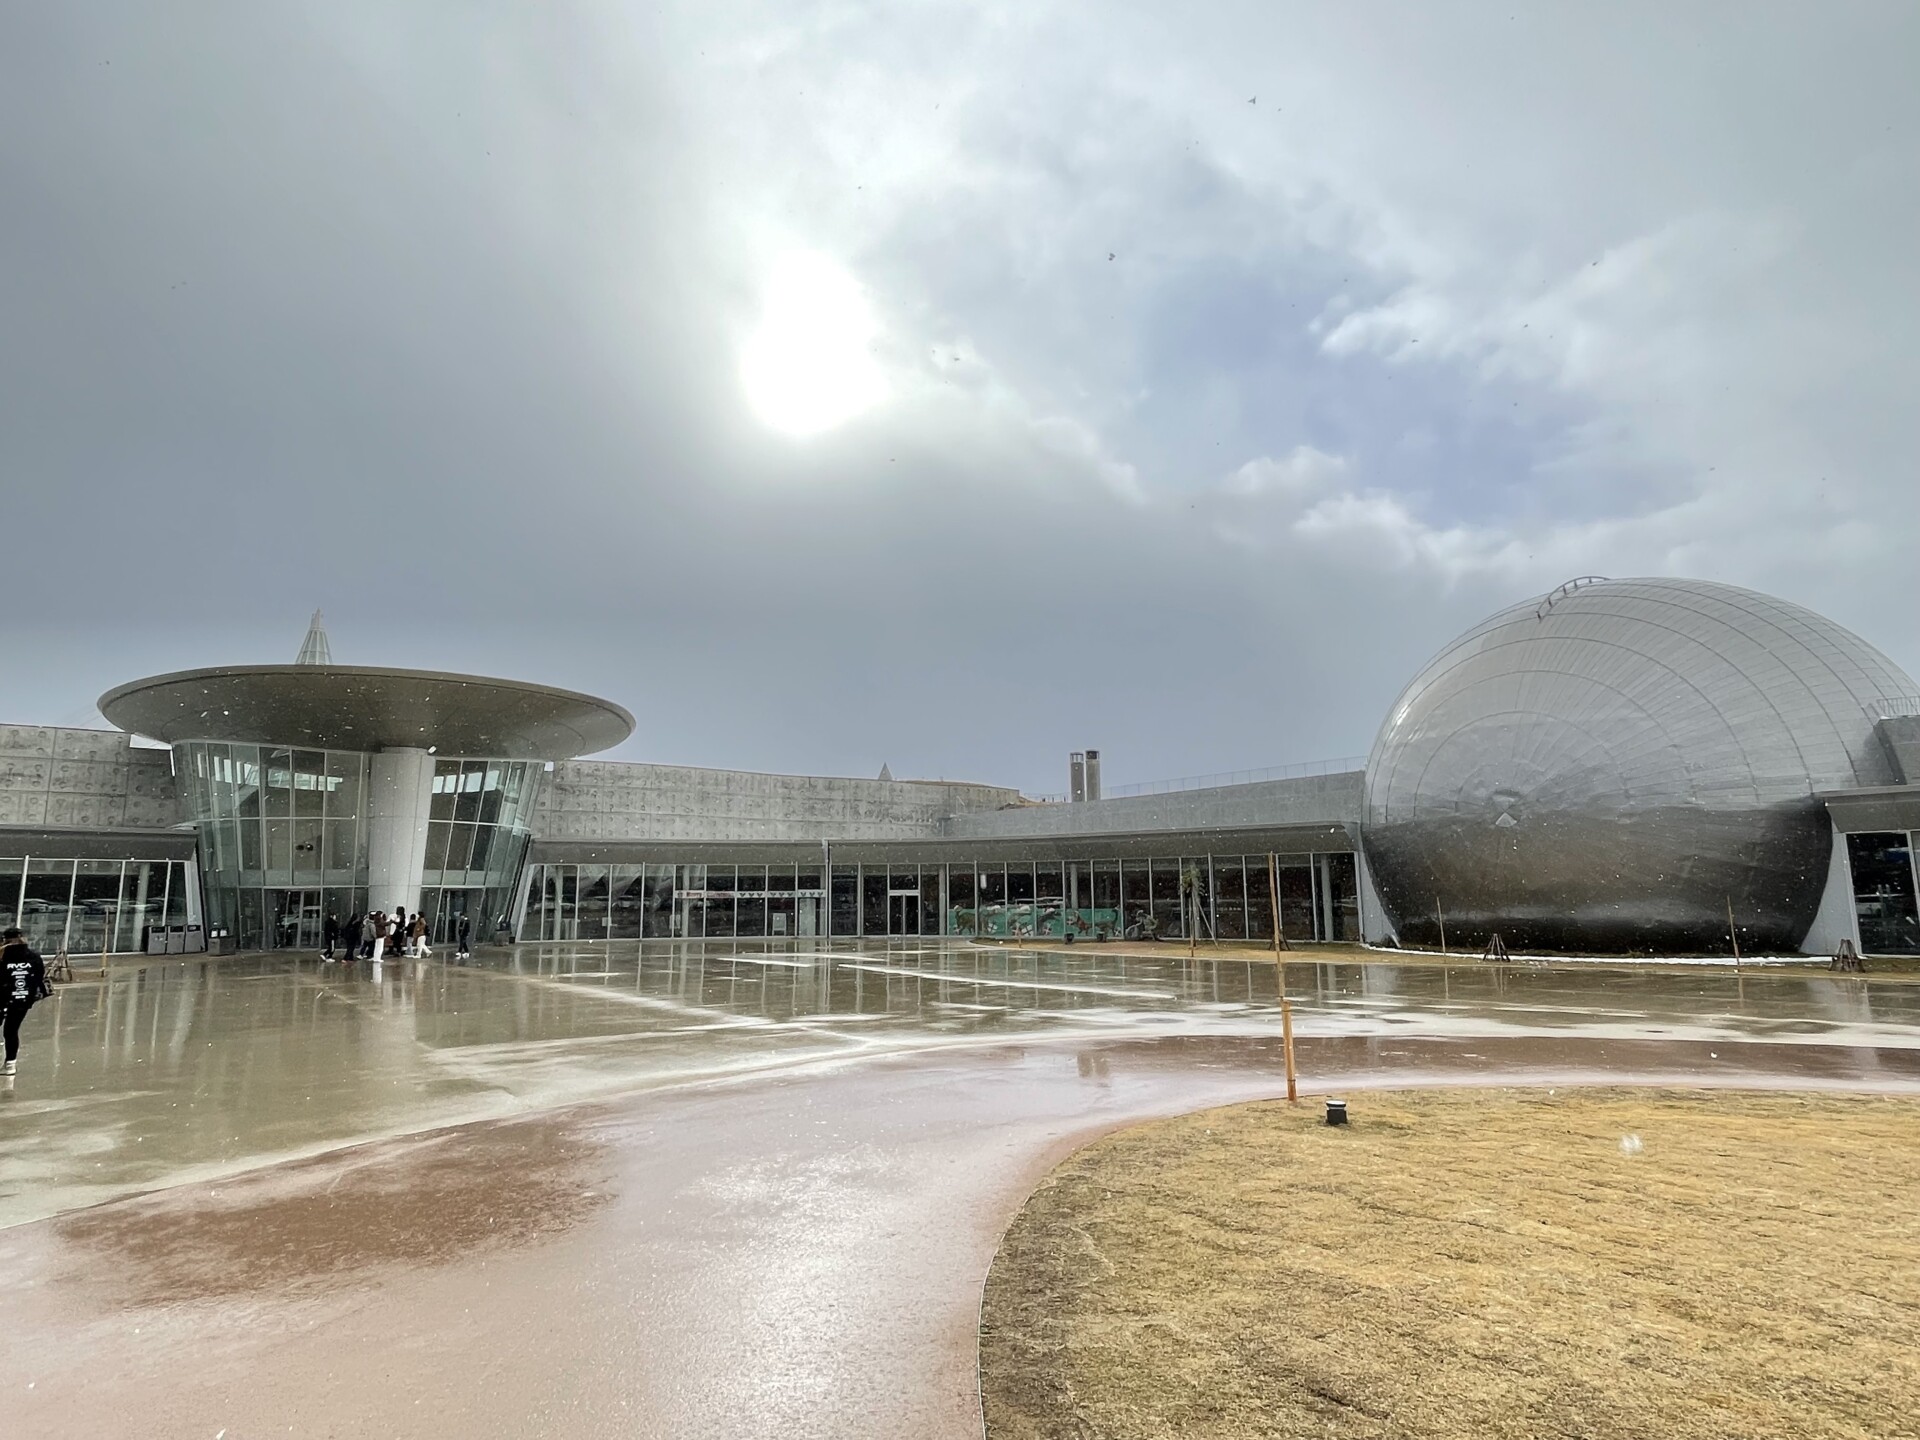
(365, 707)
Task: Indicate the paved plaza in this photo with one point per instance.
(197, 1068)
(740, 1189)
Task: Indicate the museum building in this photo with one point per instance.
(1618, 766)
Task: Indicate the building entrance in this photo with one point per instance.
(297, 924)
(903, 912)
(448, 906)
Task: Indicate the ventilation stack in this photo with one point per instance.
(1076, 777)
(1092, 784)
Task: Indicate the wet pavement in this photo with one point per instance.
(184, 1070)
(771, 1197)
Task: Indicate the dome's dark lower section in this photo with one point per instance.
(1651, 881)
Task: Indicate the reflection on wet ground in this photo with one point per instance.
(182, 1070)
(796, 1252)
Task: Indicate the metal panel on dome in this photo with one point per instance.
(1614, 765)
(364, 708)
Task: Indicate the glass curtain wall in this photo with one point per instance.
(92, 907)
(1231, 897)
(282, 838)
(477, 834)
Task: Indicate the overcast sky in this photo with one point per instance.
(1172, 380)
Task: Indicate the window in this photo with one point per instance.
(11, 869)
(1340, 900)
(846, 900)
(1229, 897)
(1259, 885)
(1297, 921)
(1136, 888)
(961, 917)
(1883, 892)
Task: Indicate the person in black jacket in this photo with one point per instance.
(466, 938)
(329, 936)
(23, 982)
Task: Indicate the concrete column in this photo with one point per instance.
(1837, 918)
(1375, 927)
(401, 786)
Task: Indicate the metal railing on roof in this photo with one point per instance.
(1892, 707)
(1577, 583)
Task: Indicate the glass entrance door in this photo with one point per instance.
(297, 923)
(449, 906)
(903, 912)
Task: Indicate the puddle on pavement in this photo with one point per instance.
(326, 1222)
(170, 1072)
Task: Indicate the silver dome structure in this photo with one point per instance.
(1616, 765)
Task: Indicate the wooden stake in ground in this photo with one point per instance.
(1273, 896)
(1286, 1034)
(1443, 924)
(1732, 934)
(1280, 945)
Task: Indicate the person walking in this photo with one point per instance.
(418, 932)
(329, 936)
(350, 936)
(465, 952)
(23, 984)
(381, 925)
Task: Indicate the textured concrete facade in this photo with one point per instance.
(82, 779)
(1309, 800)
(610, 800)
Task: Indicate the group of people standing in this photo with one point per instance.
(377, 934)
(23, 975)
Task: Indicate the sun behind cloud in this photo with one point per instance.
(808, 366)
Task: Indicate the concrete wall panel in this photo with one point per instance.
(25, 772)
(87, 779)
(23, 807)
(1308, 800)
(599, 799)
(26, 739)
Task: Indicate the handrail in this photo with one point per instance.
(1892, 707)
(1579, 582)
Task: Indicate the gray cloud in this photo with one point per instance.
(436, 323)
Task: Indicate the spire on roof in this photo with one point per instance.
(314, 650)
(885, 773)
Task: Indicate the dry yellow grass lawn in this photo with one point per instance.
(1475, 1263)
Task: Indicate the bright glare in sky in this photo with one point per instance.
(807, 368)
